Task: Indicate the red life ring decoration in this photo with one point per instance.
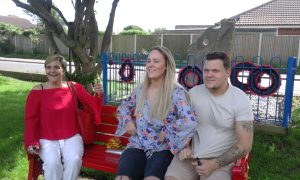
(127, 71)
(236, 70)
(256, 84)
(194, 72)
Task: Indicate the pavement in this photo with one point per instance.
(33, 69)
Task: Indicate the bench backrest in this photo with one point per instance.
(108, 125)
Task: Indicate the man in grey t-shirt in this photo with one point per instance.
(225, 130)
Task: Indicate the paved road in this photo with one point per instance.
(22, 67)
(37, 66)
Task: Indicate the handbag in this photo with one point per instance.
(85, 118)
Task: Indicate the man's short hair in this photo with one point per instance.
(219, 55)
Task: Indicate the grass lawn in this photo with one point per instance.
(273, 157)
(12, 156)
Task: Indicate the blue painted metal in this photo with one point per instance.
(289, 91)
(104, 75)
(275, 109)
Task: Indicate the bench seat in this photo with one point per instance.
(95, 155)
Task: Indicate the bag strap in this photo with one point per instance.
(74, 93)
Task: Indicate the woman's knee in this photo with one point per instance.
(74, 161)
(52, 164)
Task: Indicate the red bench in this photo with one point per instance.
(96, 158)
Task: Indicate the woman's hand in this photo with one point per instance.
(98, 89)
(130, 128)
(33, 149)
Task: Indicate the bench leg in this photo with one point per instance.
(35, 167)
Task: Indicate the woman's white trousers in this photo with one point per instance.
(62, 158)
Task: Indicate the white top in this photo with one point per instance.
(216, 115)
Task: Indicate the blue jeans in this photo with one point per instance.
(134, 164)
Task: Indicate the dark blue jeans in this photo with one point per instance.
(134, 164)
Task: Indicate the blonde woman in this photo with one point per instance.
(164, 121)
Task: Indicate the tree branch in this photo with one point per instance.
(60, 14)
(108, 32)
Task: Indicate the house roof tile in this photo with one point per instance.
(272, 13)
(17, 21)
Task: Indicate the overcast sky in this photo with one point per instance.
(151, 14)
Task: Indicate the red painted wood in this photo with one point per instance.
(107, 128)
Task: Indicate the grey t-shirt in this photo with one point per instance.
(217, 115)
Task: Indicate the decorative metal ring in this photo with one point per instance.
(127, 71)
(274, 82)
(187, 71)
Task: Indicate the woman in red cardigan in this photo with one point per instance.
(51, 129)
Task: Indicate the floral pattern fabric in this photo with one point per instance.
(172, 133)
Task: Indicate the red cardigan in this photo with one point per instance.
(51, 114)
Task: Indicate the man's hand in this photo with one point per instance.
(130, 128)
(185, 153)
(206, 168)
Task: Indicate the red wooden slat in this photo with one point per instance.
(106, 137)
(109, 109)
(109, 119)
(107, 128)
(96, 158)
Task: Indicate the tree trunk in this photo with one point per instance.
(82, 36)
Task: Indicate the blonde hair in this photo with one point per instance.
(161, 105)
(59, 58)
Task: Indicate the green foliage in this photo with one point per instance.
(96, 174)
(30, 32)
(5, 46)
(81, 78)
(7, 29)
(296, 113)
(159, 30)
(132, 27)
(131, 30)
(101, 33)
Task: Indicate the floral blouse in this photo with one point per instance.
(172, 133)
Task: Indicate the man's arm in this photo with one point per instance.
(244, 133)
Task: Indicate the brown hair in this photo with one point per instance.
(219, 55)
(59, 58)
